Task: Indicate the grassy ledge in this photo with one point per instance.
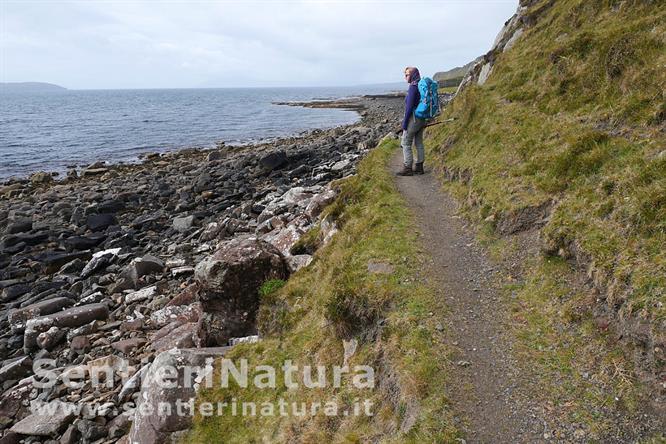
(337, 298)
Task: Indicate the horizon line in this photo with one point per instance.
(207, 87)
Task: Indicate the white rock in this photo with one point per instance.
(182, 224)
(109, 252)
(514, 38)
(244, 340)
(177, 271)
(175, 262)
(341, 165)
(298, 261)
(140, 295)
(485, 73)
(350, 349)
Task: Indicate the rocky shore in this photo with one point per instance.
(135, 267)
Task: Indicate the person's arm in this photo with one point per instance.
(411, 102)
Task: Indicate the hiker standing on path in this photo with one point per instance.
(412, 126)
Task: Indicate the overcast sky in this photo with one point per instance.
(172, 44)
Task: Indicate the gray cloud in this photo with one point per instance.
(123, 44)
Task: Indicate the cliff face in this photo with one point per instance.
(561, 128)
(453, 76)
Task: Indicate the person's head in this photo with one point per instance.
(412, 74)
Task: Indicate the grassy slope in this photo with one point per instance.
(336, 298)
(575, 113)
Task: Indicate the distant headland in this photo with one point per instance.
(29, 87)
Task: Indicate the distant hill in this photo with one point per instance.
(454, 76)
(29, 87)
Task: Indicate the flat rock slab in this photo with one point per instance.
(51, 262)
(100, 222)
(154, 429)
(55, 418)
(17, 369)
(184, 336)
(127, 346)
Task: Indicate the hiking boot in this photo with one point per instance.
(418, 168)
(405, 171)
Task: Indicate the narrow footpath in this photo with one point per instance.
(487, 385)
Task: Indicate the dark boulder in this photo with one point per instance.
(53, 261)
(90, 430)
(274, 161)
(14, 292)
(110, 206)
(100, 222)
(77, 243)
(230, 279)
(27, 239)
(21, 225)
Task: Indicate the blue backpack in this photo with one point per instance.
(428, 107)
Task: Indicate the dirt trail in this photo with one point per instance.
(486, 388)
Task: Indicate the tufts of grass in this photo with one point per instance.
(270, 287)
(580, 371)
(309, 242)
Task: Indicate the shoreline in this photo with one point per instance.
(355, 104)
(41, 178)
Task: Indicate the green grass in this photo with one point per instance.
(336, 299)
(448, 90)
(582, 374)
(581, 125)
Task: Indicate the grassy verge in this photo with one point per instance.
(583, 374)
(577, 368)
(336, 298)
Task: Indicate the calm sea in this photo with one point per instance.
(54, 130)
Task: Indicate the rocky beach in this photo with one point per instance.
(132, 267)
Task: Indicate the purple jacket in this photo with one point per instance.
(413, 96)
(411, 102)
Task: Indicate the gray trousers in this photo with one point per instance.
(413, 135)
